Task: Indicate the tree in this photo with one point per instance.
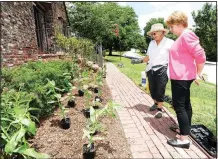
(152, 21)
(140, 42)
(205, 20)
(97, 21)
(83, 20)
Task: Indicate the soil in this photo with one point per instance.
(59, 143)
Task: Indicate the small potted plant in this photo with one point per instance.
(88, 149)
(88, 96)
(67, 85)
(82, 85)
(71, 102)
(81, 93)
(96, 89)
(65, 121)
(99, 80)
(98, 97)
(92, 128)
(96, 104)
(110, 109)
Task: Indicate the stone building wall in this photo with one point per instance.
(18, 30)
(59, 16)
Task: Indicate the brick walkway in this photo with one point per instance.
(146, 135)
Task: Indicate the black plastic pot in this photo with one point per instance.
(96, 107)
(65, 123)
(81, 93)
(205, 138)
(16, 156)
(71, 103)
(95, 90)
(98, 99)
(95, 133)
(86, 113)
(88, 152)
(2, 146)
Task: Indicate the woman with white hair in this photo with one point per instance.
(157, 55)
(186, 62)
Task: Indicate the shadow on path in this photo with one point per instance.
(161, 125)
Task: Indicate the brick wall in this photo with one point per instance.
(19, 40)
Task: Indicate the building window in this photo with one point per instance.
(40, 28)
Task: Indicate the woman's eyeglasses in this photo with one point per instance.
(153, 34)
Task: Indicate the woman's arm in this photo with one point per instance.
(200, 68)
(191, 42)
(142, 60)
(146, 59)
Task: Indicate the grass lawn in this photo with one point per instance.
(203, 97)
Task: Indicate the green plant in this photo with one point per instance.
(93, 126)
(75, 69)
(97, 103)
(104, 69)
(67, 85)
(88, 96)
(110, 109)
(99, 80)
(99, 92)
(63, 109)
(94, 123)
(34, 78)
(84, 80)
(83, 47)
(71, 97)
(51, 91)
(16, 122)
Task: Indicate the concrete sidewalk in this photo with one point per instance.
(146, 135)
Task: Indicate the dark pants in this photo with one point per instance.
(182, 104)
(157, 83)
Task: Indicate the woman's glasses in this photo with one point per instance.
(154, 33)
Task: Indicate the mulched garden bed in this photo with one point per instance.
(60, 143)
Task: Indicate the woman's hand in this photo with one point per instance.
(136, 61)
(201, 77)
(196, 82)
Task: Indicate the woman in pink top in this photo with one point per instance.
(186, 61)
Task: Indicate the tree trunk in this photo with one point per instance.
(110, 51)
(100, 55)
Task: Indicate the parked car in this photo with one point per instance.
(143, 51)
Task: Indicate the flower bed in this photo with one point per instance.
(60, 143)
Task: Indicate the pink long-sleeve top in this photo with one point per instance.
(184, 54)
